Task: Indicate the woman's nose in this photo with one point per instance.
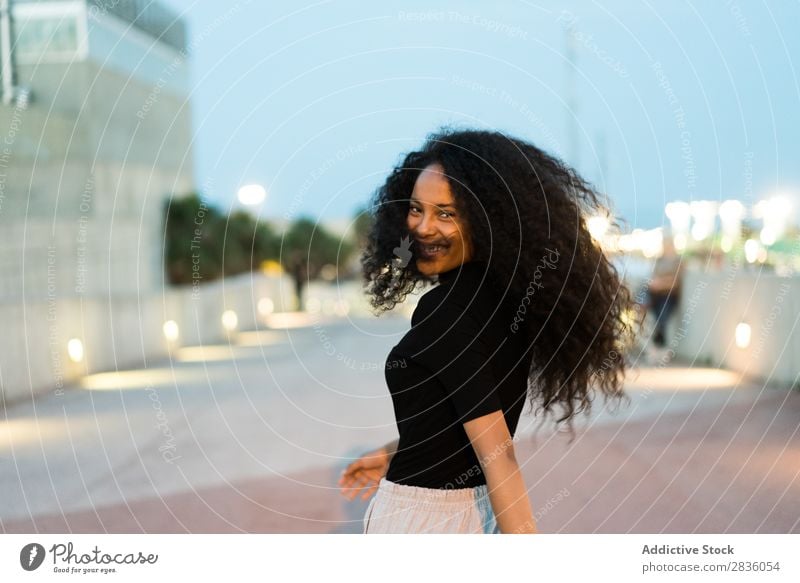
(425, 227)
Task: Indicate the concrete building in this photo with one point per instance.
(104, 139)
(95, 135)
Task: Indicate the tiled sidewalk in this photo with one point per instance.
(732, 469)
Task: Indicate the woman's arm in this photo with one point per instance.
(364, 474)
(494, 447)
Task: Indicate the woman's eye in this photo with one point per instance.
(444, 214)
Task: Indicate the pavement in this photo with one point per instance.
(251, 437)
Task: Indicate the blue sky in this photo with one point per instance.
(658, 102)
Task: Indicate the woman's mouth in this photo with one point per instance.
(431, 251)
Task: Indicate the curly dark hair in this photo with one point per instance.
(519, 201)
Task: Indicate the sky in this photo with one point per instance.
(651, 102)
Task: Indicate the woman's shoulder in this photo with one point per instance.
(454, 299)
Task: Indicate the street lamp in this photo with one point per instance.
(252, 194)
(75, 350)
(704, 213)
(171, 330)
(743, 334)
(775, 212)
(680, 217)
(230, 320)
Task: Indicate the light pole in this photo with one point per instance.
(11, 95)
(5, 52)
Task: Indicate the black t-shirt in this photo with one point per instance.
(460, 360)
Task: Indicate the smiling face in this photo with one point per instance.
(439, 232)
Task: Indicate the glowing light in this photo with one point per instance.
(743, 335)
(649, 243)
(775, 212)
(767, 236)
(704, 213)
(328, 272)
(684, 379)
(207, 353)
(155, 377)
(730, 217)
(230, 320)
(266, 306)
(680, 240)
(652, 243)
(252, 194)
(271, 267)
(289, 319)
(75, 350)
(598, 226)
(625, 243)
(751, 248)
(260, 338)
(679, 214)
(731, 211)
(171, 330)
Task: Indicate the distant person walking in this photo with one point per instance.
(527, 305)
(664, 292)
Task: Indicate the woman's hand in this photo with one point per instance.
(364, 474)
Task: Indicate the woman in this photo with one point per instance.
(526, 305)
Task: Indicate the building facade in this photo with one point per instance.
(95, 136)
(104, 139)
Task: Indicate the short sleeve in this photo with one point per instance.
(451, 345)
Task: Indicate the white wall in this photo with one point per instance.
(713, 304)
(121, 332)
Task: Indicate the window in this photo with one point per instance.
(45, 39)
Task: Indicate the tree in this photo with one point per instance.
(192, 250)
(362, 223)
(202, 243)
(307, 248)
(248, 242)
